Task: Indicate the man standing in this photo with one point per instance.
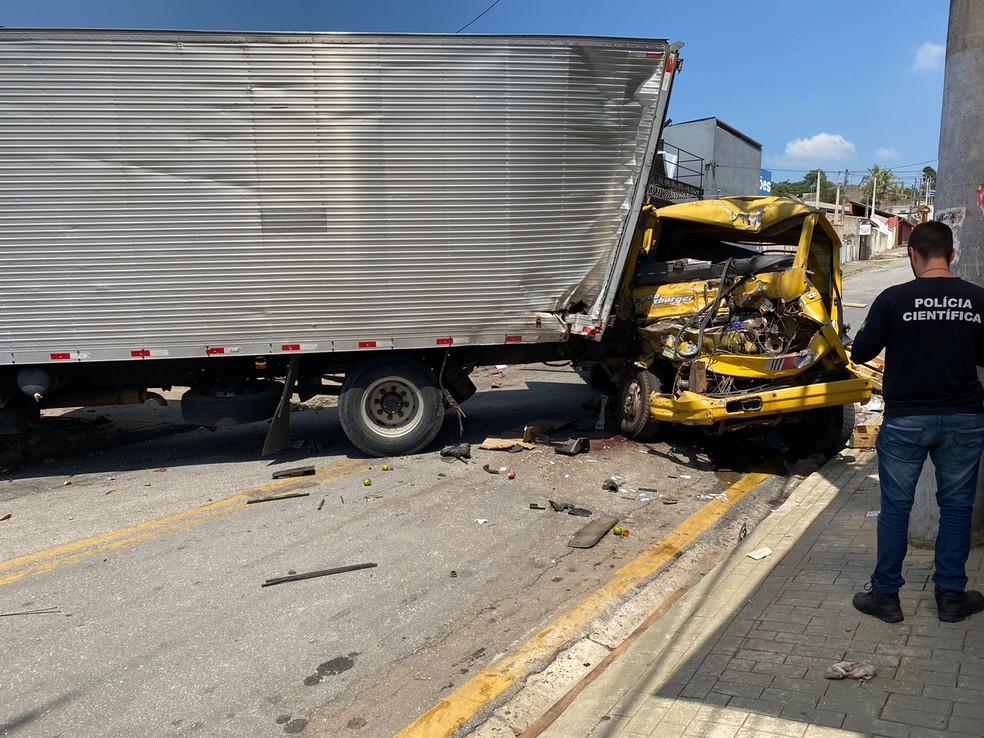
(932, 332)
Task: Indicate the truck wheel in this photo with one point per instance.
(823, 431)
(230, 402)
(391, 406)
(635, 420)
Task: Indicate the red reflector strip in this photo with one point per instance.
(654, 55)
(513, 339)
(139, 353)
(445, 341)
(291, 347)
(60, 357)
(367, 344)
(215, 350)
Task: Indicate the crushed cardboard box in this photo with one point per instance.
(864, 436)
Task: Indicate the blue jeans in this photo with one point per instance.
(955, 444)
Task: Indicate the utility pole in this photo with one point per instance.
(819, 172)
(961, 172)
(837, 204)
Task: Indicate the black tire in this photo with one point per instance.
(823, 431)
(225, 403)
(635, 420)
(391, 406)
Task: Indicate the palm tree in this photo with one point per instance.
(884, 182)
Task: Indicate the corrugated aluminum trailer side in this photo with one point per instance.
(183, 196)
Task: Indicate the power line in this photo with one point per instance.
(477, 17)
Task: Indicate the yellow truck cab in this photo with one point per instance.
(736, 304)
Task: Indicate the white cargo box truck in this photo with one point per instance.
(227, 211)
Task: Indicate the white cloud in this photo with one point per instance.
(929, 57)
(816, 150)
(886, 154)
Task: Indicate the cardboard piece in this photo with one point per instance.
(504, 444)
(864, 436)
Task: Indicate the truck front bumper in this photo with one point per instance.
(691, 408)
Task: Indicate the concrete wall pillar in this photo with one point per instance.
(959, 202)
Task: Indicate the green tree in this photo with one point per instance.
(784, 189)
(930, 176)
(828, 190)
(883, 182)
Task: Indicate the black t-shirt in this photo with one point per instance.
(933, 336)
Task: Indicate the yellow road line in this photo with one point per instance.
(453, 711)
(74, 551)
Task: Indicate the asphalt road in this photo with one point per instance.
(154, 563)
(131, 597)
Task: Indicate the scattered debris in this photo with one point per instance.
(538, 430)
(875, 405)
(387, 467)
(162, 469)
(42, 611)
(593, 532)
(572, 448)
(864, 436)
(569, 508)
(511, 474)
(849, 304)
(742, 532)
(366, 498)
(600, 423)
(321, 504)
(872, 513)
(279, 497)
(489, 469)
(313, 574)
(873, 370)
(850, 670)
(67, 483)
(760, 553)
(685, 476)
(512, 445)
(453, 574)
(650, 490)
(613, 483)
(803, 468)
(481, 521)
(618, 530)
(669, 500)
(367, 482)
(298, 471)
(461, 452)
(721, 496)
(6, 516)
(535, 506)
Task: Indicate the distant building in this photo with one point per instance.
(731, 161)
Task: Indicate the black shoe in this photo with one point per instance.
(954, 605)
(883, 606)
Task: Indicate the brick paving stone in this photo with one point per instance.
(741, 664)
(964, 726)
(645, 721)
(768, 724)
(811, 716)
(757, 706)
(703, 729)
(761, 656)
(959, 696)
(738, 689)
(914, 717)
(784, 671)
(790, 697)
(724, 715)
(922, 704)
(875, 727)
(944, 666)
(924, 676)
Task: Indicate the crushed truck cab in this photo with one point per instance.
(736, 304)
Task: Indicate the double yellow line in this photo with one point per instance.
(75, 551)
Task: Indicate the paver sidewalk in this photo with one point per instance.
(743, 653)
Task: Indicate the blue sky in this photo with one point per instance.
(839, 85)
